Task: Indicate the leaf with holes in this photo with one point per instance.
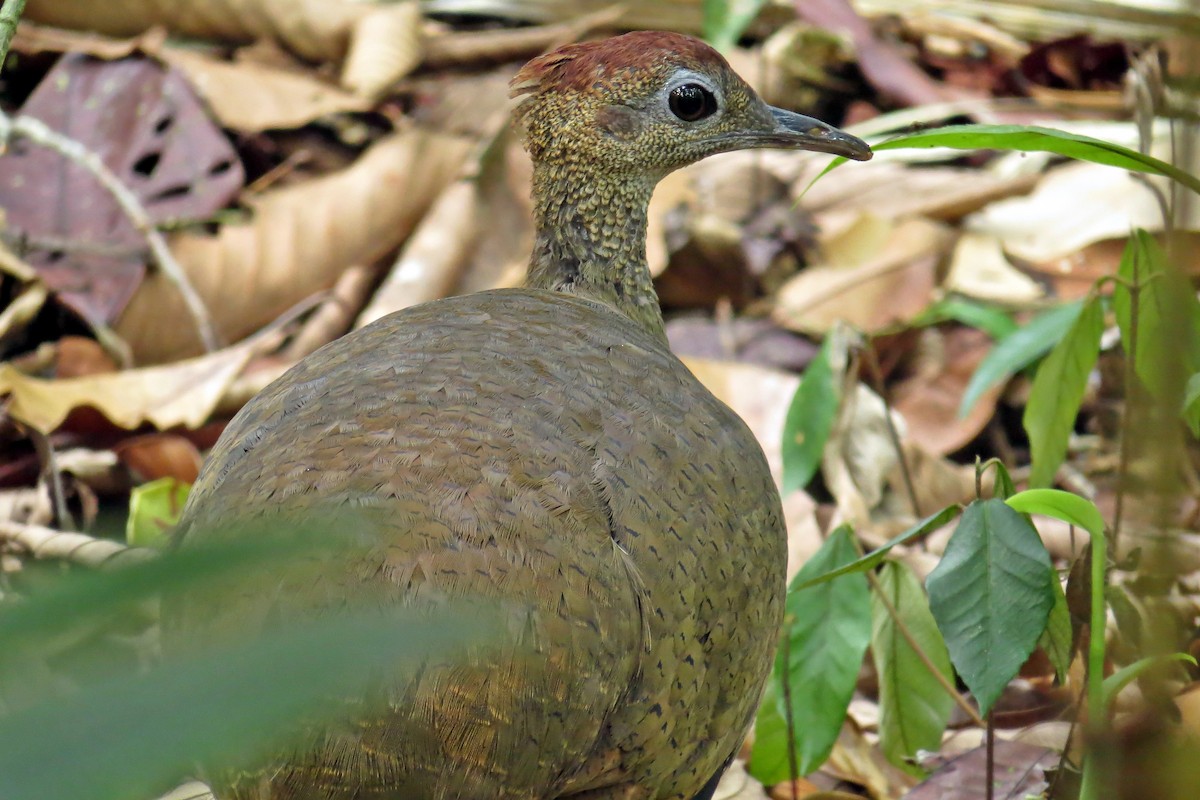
(809, 421)
(827, 632)
(914, 706)
(991, 596)
(148, 127)
(1057, 392)
(1018, 350)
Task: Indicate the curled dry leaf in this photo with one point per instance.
(298, 242)
(317, 30)
(386, 47)
(736, 784)
(180, 394)
(877, 274)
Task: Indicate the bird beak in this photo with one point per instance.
(798, 132)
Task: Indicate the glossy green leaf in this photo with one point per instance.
(829, 626)
(914, 707)
(1032, 139)
(726, 20)
(1018, 350)
(1057, 639)
(809, 421)
(991, 596)
(1070, 508)
(154, 509)
(991, 320)
(1057, 392)
(872, 559)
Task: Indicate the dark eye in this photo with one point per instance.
(692, 102)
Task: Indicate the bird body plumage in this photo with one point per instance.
(539, 448)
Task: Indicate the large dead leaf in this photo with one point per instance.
(297, 243)
(929, 399)
(249, 96)
(181, 394)
(1019, 772)
(878, 274)
(317, 30)
(144, 123)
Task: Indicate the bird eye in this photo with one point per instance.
(691, 102)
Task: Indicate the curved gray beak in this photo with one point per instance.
(798, 132)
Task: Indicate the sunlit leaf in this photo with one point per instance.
(1018, 350)
(1070, 508)
(1057, 392)
(914, 707)
(991, 596)
(154, 509)
(809, 421)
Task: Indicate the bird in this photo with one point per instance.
(539, 447)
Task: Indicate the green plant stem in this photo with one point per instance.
(990, 751)
(1097, 722)
(789, 716)
(1124, 454)
(10, 12)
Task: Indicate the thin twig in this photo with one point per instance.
(990, 774)
(10, 12)
(39, 133)
(877, 379)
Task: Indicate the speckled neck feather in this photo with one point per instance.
(591, 240)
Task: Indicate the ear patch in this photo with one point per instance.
(620, 122)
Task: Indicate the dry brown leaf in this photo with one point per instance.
(879, 274)
(318, 30)
(160, 455)
(299, 241)
(249, 96)
(385, 48)
(472, 236)
(979, 268)
(736, 784)
(184, 393)
(855, 760)
(929, 400)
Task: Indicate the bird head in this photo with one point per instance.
(650, 102)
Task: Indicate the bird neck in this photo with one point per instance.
(590, 240)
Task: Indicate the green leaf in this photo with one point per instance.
(872, 559)
(1057, 392)
(1002, 482)
(1018, 350)
(991, 596)
(1114, 683)
(914, 707)
(809, 421)
(154, 509)
(1168, 319)
(769, 753)
(726, 20)
(129, 732)
(1191, 404)
(1057, 639)
(1033, 139)
(1070, 508)
(829, 627)
(989, 319)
